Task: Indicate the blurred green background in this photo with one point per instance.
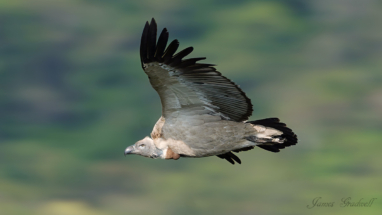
(73, 96)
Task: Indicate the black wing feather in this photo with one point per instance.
(170, 51)
(189, 62)
(143, 48)
(177, 59)
(230, 157)
(152, 39)
(162, 42)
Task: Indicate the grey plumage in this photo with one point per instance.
(203, 112)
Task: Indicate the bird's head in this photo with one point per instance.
(144, 147)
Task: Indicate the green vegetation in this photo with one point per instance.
(73, 96)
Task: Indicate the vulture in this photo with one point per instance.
(203, 113)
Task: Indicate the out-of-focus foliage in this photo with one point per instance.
(73, 96)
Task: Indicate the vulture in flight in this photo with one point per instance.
(203, 113)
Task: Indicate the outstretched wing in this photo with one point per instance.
(185, 85)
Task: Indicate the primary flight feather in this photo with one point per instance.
(203, 113)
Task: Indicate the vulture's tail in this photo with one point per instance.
(272, 135)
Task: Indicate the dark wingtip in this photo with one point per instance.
(161, 45)
(177, 59)
(230, 157)
(152, 40)
(143, 47)
(171, 49)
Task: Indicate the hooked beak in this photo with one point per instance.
(129, 150)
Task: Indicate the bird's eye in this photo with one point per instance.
(141, 145)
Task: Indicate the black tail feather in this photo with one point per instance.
(287, 134)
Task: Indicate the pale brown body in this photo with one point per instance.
(205, 136)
